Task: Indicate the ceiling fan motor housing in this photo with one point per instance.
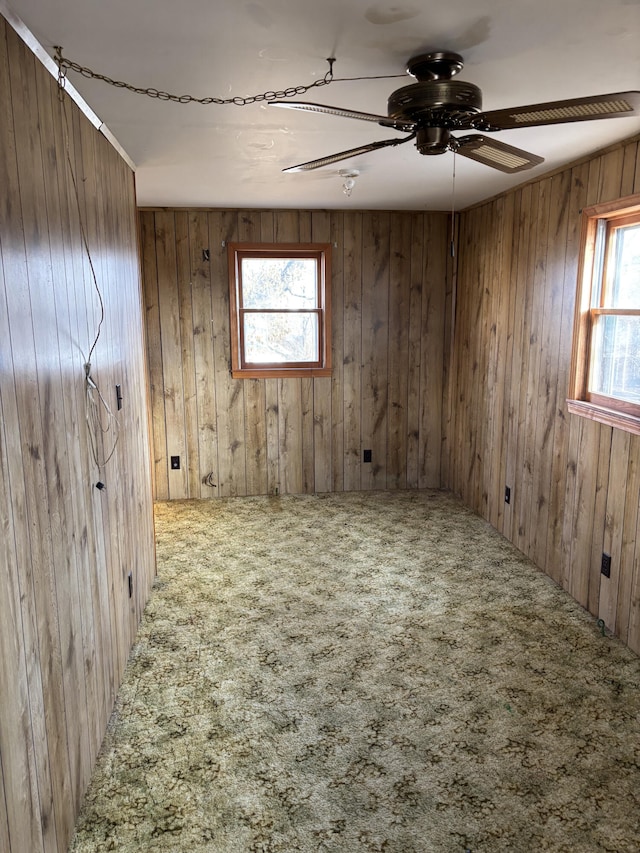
(438, 103)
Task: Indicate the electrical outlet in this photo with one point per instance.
(605, 565)
(175, 463)
(507, 494)
(366, 456)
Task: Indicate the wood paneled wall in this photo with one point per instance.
(66, 549)
(390, 309)
(574, 483)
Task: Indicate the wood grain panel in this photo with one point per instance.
(560, 473)
(389, 280)
(375, 348)
(352, 354)
(190, 462)
(432, 353)
(415, 363)
(229, 392)
(336, 415)
(318, 449)
(399, 307)
(154, 353)
(205, 484)
(574, 483)
(4, 818)
(66, 548)
(504, 351)
(628, 541)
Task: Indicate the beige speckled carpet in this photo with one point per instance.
(367, 673)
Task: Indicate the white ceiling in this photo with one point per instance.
(517, 51)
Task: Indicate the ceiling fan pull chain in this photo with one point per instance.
(453, 206)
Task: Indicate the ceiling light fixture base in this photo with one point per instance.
(349, 176)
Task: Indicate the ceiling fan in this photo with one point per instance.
(434, 106)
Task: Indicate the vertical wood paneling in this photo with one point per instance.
(352, 373)
(69, 602)
(206, 484)
(528, 383)
(614, 520)
(154, 353)
(589, 589)
(66, 548)
(22, 695)
(190, 462)
(504, 353)
(389, 291)
(561, 475)
(223, 228)
(375, 347)
(399, 307)
(336, 424)
(4, 818)
(553, 257)
(31, 350)
(628, 540)
(172, 350)
(321, 456)
(98, 662)
(414, 350)
(516, 288)
(432, 351)
(633, 633)
(574, 482)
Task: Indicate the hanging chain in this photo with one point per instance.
(62, 77)
(65, 64)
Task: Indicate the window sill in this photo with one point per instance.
(610, 417)
(283, 373)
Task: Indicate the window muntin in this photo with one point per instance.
(605, 381)
(279, 300)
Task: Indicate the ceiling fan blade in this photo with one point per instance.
(385, 121)
(496, 154)
(344, 155)
(613, 105)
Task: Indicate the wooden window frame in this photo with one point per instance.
(240, 367)
(597, 223)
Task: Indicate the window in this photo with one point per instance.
(605, 378)
(280, 309)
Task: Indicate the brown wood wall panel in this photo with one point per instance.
(66, 549)
(389, 315)
(574, 483)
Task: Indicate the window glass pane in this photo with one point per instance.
(279, 283)
(278, 338)
(615, 362)
(624, 290)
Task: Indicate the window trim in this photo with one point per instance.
(615, 413)
(321, 252)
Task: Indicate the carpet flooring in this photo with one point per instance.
(367, 673)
